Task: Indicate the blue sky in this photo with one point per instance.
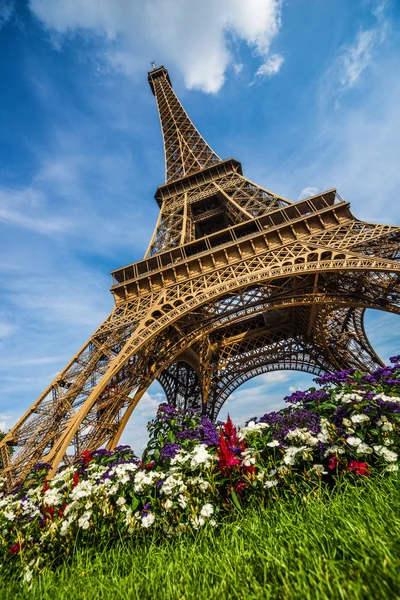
(304, 93)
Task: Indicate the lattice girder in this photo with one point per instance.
(236, 281)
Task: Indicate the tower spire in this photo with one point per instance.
(186, 152)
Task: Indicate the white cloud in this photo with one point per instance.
(271, 66)
(5, 421)
(274, 378)
(307, 192)
(193, 36)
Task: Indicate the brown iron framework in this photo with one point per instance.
(237, 281)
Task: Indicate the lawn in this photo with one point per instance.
(340, 544)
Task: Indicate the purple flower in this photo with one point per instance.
(335, 378)
(169, 451)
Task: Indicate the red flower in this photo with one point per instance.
(226, 457)
(241, 486)
(333, 461)
(359, 468)
(230, 432)
(150, 464)
(87, 456)
(250, 471)
(16, 548)
(75, 479)
(46, 486)
(49, 511)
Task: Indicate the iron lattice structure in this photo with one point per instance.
(237, 281)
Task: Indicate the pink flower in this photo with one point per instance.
(333, 461)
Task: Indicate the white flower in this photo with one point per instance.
(290, 454)
(364, 449)
(121, 501)
(354, 441)
(386, 398)
(348, 398)
(334, 450)
(387, 427)
(197, 521)
(168, 504)
(387, 454)
(273, 444)
(202, 483)
(84, 521)
(173, 485)
(213, 522)
(52, 497)
(143, 479)
(392, 468)
(28, 575)
(303, 435)
(182, 501)
(148, 520)
(319, 469)
(261, 475)
(83, 489)
(66, 522)
(9, 515)
(200, 456)
(359, 418)
(271, 483)
(323, 435)
(207, 510)
(251, 427)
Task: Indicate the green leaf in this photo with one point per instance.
(171, 437)
(156, 455)
(135, 503)
(236, 501)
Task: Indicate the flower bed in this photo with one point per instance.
(192, 473)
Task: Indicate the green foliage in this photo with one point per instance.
(340, 544)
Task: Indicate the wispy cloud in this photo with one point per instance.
(355, 58)
(307, 192)
(6, 10)
(271, 66)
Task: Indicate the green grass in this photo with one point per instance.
(340, 545)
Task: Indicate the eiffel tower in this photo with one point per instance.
(236, 281)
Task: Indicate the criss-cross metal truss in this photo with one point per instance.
(236, 282)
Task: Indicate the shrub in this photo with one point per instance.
(193, 474)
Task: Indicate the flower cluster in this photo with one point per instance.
(192, 473)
